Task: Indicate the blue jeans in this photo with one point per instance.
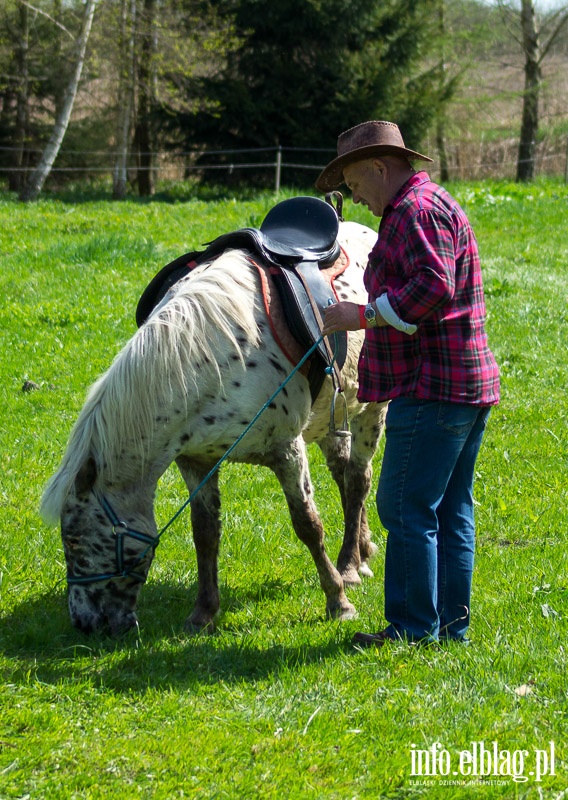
(425, 502)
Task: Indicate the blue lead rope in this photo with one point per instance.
(253, 421)
(122, 530)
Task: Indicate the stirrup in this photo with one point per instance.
(344, 430)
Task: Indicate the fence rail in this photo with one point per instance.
(466, 160)
(176, 164)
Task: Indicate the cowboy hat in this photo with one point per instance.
(364, 141)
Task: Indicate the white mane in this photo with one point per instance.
(216, 303)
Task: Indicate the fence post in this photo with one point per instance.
(278, 168)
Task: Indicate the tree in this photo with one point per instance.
(447, 84)
(533, 80)
(15, 89)
(301, 74)
(37, 178)
(527, 32)
(125, 97)
(534, 55)
(37, 46)
(161, 45)
(146, 90)
(22, 95)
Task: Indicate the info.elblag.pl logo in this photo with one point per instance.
(484, 761)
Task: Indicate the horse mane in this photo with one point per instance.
(166, 357)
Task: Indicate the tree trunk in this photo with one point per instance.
(441, 147)
(38, 177)
(57, 55)
(17, 178)
(125, 97)
(143, 133)
(533, 81)
(441, 117)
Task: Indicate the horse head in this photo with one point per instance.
(108, 556)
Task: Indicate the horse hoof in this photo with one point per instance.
(342, 611)
(348, 612)
(195, 628)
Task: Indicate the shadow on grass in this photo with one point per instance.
(38, 643)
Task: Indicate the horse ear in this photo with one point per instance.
(86, 476)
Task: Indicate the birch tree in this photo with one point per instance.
(35, 183)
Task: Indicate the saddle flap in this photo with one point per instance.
(305, 294)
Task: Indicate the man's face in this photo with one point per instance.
(367, 181)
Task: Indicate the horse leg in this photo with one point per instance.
(367, 429)
(337, 454)
(291, 468)
(206, 529)
(351, 468)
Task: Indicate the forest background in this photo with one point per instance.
(221, 90)
(149, 90)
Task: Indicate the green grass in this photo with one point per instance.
(276, 704)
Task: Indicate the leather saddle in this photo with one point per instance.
(297, 240)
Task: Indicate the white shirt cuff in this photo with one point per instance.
(389, 315)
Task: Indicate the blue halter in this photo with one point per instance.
(120, 531)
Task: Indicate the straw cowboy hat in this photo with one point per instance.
(364, 141)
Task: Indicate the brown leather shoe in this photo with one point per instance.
(371, 639)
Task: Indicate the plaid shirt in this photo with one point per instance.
(426, 260)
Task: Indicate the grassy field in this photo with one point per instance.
(277, 704)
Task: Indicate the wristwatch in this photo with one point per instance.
(370, 315)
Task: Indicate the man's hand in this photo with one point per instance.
(345, 316)
(341, 317)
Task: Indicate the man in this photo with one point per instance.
(426, 351)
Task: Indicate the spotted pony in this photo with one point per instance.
(184, 389)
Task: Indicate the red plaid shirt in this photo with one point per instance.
(427, 262)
